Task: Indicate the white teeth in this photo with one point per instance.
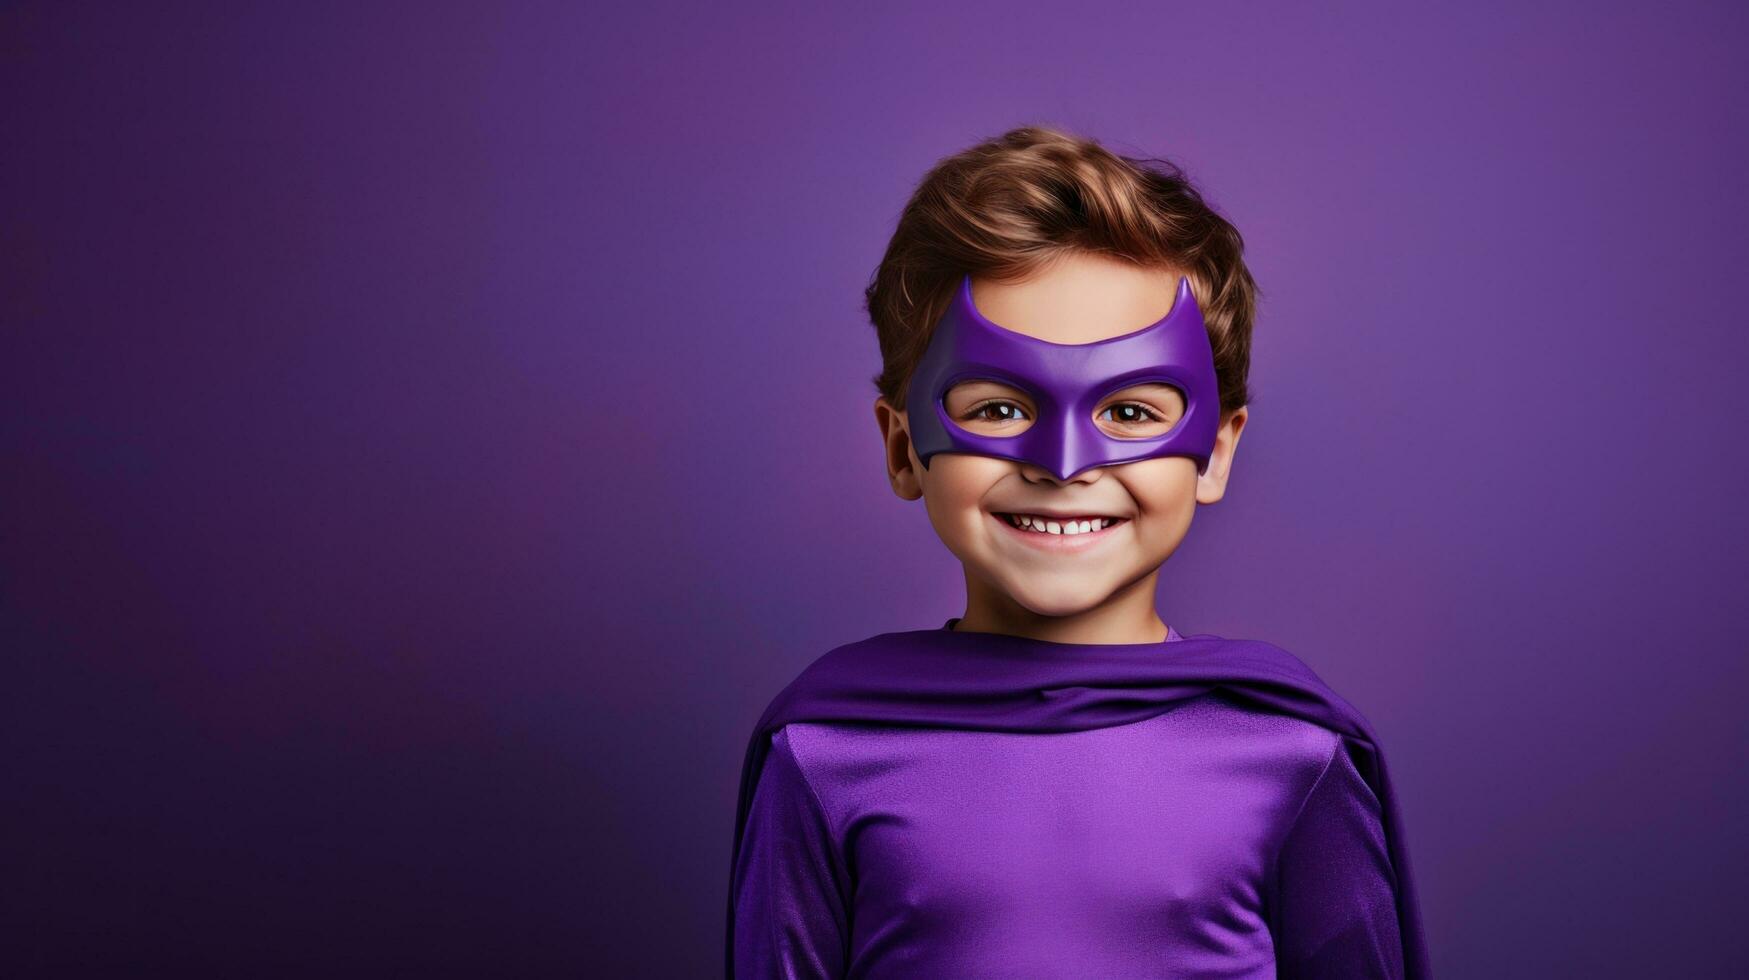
(1044, 525)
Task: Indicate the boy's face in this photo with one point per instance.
(973, 500)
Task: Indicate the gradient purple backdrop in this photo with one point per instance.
(429, 436)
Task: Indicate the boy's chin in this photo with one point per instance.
(1056, 597)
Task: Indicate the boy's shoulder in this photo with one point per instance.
(1193, 650)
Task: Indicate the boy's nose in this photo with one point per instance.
(1062, 454)
(1064, 450)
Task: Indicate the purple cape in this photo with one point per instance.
(943, 678)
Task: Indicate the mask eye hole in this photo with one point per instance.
(1145, 411)
(989, 408)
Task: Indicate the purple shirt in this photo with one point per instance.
(1216, 839)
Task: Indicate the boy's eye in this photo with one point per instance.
(995, 411)
(1132, 413)
(1124, 419)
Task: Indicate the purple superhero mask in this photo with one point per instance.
(1066, 383)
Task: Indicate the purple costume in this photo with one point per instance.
(941, 804)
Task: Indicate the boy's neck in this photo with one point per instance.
(1128, 616)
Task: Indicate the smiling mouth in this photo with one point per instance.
(1048, 524)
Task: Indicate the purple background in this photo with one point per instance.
(428, 437)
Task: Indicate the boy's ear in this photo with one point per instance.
(902, 463)
(1211, 485)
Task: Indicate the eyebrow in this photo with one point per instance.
(992, 382)
(986, 381)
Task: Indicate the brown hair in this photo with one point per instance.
(1008, 206)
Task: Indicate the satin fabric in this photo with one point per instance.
(1199, 807)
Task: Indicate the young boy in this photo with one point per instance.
(1058, 783)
